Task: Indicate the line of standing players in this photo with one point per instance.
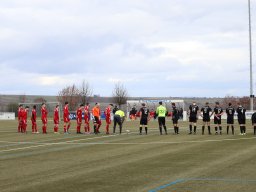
(96, 116)
(194, 112)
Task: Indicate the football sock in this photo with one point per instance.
(227, 129)
(241, 129)
(65, 128)
(146, 130)
(220, 129)
(194, 129)
(160, 129)
(165, 129)
(190, 128)
(203, 129)
(209, 129)
(233, 130)
(107, 128)
(254, 130)
(94, 127)
(140, 130)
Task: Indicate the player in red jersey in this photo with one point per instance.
(56, 119)
(33, 120)
(107, 113)
(79, 113)
(44, 114)
(25, 119)
(66, 118)
(87, 118)
(20, 109)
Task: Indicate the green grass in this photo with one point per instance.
(127, 162)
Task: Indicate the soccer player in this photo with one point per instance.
(175, 118)
(87, 118)
(96, 117)
(144, 118)
(33, 120)
(25, 119)
(218, 112)
(193, 113)
(66, 118)
(118, 119)
(79, 112)
(56, 119)
(44, 114)
(230, 111)
(253, 118)
(161, 112)
(20, 111)
(241, 118)
(107, 113)
(206, 110)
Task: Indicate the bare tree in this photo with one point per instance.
(40, 100)
(120, 94)
(85, 92)
(69, 94)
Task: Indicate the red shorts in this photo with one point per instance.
(78, 120)
(108, 120)
(44, 121)
(66, 120)
(56, 121)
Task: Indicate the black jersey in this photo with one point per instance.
(193, 109)
(175, 113)
(206, 111)
(230, 111)
(144, 112)
(218, 111)
(241, 112)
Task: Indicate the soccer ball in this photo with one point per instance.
(127, 131)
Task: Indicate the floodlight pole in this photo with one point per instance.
(250, 47)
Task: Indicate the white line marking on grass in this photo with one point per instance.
(115, 143)
(48, 144)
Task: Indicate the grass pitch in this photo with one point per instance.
(127, 162)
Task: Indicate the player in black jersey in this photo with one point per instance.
(207, 113)
(144, 118)
(193, 114)
(175, 118)
(230, 111)
(241, 118)
(217, 111)
(253, 118)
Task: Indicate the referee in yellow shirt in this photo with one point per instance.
(118, 119)
(161, 112)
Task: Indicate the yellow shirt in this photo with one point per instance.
(120, 113)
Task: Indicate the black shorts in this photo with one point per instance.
(230, 120)
(96, 120)
(206, 119)
(161, 121)
(192, 119)
(175, 120)
(217, 121)
(241, 121)
(144, 121)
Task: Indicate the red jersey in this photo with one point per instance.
(66, 113)
(24, 115)
(79, 113)
(86, 112)
(56, 114)
(44, 113)
(107, 112)
(20, 113)
(33, 115)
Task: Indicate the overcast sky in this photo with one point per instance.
(153, 47)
